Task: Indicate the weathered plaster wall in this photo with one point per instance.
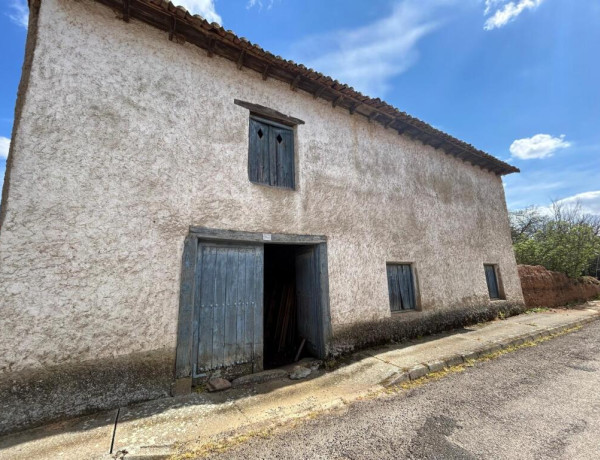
(127, 139)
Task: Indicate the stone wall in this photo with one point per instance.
(545, 288)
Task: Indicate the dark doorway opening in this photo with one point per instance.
(281, 338)
(291, 303)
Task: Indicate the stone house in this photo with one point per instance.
(180, 203)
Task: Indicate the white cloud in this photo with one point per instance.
(502, 12)
(589, 201)
(490, 4)
(538, 146)
(368, 57)
(4, 146)
(18, 12)
(260, 4)
(205, 8)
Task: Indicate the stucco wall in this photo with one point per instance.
(127, 139)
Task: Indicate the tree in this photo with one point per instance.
(524, 223)
(565, 240)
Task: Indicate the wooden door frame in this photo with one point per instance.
(185, 322)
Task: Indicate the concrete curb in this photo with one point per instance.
(422, 370)
(159, 429)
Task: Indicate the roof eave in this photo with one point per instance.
(181, 26)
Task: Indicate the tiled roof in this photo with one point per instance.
(182, 26)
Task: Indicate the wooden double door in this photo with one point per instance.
(228, 306)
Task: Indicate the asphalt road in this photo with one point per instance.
(536, 403)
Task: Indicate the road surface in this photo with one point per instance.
(536, 403)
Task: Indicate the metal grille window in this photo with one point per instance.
(271, 153)
(492, 281)
(401, 287)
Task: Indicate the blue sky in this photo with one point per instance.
(516, 78)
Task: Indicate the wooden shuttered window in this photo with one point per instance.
(492, 281)
(401, 287)
(271, 154)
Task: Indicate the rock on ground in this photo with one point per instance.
(300, 372)
(218, 384)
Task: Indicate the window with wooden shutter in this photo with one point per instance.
(492, 281)
(271, 153)
(401, 287)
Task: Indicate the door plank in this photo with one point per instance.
(230, 306)
(257, 357)
(249, 307)
(205, 293)
(240, 300)
(218, 345)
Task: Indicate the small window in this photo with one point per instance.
(271, 153)
(492, 281)
(401, 287)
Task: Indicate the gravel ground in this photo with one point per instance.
(536, 403)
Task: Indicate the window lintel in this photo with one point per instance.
(269, 114)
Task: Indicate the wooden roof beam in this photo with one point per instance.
(457, 153)
(210, 51)
(420, 135)
(295, 81)
(319, 91)
(240, 61)
(353, 107)
(437, 144)
(172, 27)
(265, 73)
(337, 101)
(401, 129)
(126, 10)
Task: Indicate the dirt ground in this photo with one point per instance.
(544, 288)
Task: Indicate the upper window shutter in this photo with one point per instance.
(258, 152)
(282, 157)
(271, 154)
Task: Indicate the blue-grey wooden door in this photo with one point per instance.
(308, 297)
(229, 306)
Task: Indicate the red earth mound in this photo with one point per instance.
(544, 288)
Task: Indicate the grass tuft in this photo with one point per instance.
(536, 310)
